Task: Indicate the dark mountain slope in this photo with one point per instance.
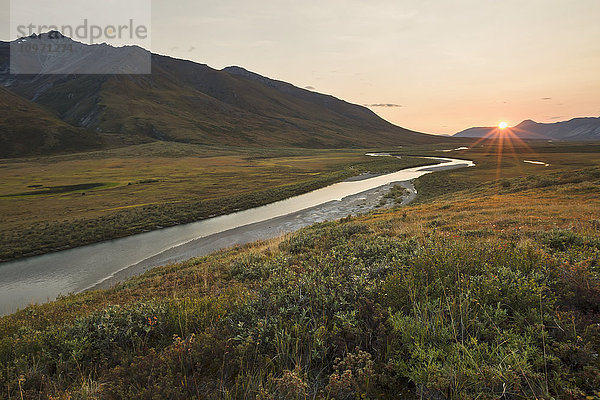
(343, 108)
(26, 128)
(186, 101)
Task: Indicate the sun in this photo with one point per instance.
(503, 125)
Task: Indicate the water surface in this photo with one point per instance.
(536, 162)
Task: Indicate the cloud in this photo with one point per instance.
(383, 105)
(192, 48)
(546, 98)
(309, 87)
(557, 117)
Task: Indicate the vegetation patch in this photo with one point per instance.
(396, 196)
(485, 294)
(58, 189)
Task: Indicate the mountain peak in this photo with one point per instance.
(53, 34)
(527, 122)
(57, 54)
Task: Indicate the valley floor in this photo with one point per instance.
(488, 287)
(57, 202)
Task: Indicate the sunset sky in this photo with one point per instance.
(440, 66)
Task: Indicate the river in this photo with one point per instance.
(42, 278)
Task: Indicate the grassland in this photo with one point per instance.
(488, 288)
(496, 163)
(51, 203)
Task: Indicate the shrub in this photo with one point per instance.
(559, 239)
(353, 376)
(250, 266)
(103, 335)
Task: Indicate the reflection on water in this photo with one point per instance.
(536, 162)
(43, 278)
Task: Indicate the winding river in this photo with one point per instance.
(43, 278)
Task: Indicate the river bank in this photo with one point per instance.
(142, 194)
(349, 205)
(43, 278)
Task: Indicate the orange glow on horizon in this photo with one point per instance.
(503, 125)
(502, 142)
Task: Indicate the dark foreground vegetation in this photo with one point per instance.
(489, 292)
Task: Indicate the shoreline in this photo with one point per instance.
(293, 190)
(271, 228)
(41, 279)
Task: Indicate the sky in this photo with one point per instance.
(436, 66)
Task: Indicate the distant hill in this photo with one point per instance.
(577, 129)
(26, 129)
(190, 102)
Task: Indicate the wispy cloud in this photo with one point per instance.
(556, 117)
(546, 98)
(309, 87)
(383, 105)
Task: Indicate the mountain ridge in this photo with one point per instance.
(575, 129)
(185, 101)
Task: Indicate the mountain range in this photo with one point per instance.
(576, 129)
(179, 101)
